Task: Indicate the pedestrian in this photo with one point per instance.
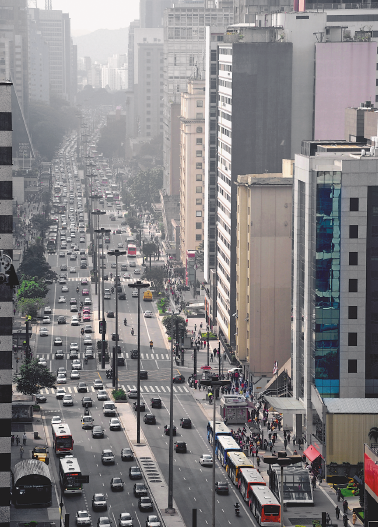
(354, 518)
(21, 451)
(17, 440)
(345, 520)
(345, 506)
(337, 510)
(12, 439)
(338, 494)
(195, 327)
(24, 439)
(258, 461)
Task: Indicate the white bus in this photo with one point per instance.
(69, 472)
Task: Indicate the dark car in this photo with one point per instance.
(99, 502)
(116, 484)
(61, 320)
(221, 487)
(185, 422)
(179, 379)
(142, 406)
(145, 503)
(110, 314)
(155, 402)
(127, 454)
(134, 354)
(82, 387)
(149, 419)
(135, 473)
(40, 398)
(180, 446)
(167, 429)
(143, 374)
(140, 489)
(122, 296)
(86, 401)
(97, 431)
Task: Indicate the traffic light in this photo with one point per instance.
(102, 326)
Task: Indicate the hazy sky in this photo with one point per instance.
(89, 15)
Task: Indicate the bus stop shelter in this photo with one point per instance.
(31, 484)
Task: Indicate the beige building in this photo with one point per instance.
(263, 272)
(192, 158)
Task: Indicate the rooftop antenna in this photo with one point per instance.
(48, 5)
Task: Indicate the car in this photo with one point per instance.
(62, 280)
(221, 487)
(60, 393)
(107, 456)
(155, 402)
(99, 502)
(113, 266)
(153, 521)
(74, 375)
(47, 310)
(143, 374)
(110, 314)
(43, 332)
(83, 265)
(62, 255)
(139, 490)
(83, 518)
(39, 398)
(84, 281)
(148, 314)
(206, 460)
(65, 289)
(67, 400)
(72, 270)
(125, 520)
(134, 293)
(115, 424)
(86, 318)
(116, 484)
(59, 354)
(122, 296)
(145, 503)
(87, 422)
(61, 320)
(42, 362)
(185, 422)
(127, 275)
(61, 370)
(179, 379)
(88, 328)
(167, 430)
(149, 419)
(57, 340)
(87, 341)
(134, 354)
(104, 521)
(85, 292)
(88, 352)
(76, 365)
(61, 379)
(136, 271)
(86, 310)
(180, 446)
(73, 257)
(102, 395)
(56, 419)
(74, 346)
(74, 308)
(74, 354)
(82, 387)
(135, 473)
(98, 384)
(87, 302)
(74, 321)
(132, 393)
(63, 267)
(142, 406)
(97, 431)
(132, 263)
(127, 454)
(41, 453)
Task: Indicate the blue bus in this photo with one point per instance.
(220, 430)
(223, 445)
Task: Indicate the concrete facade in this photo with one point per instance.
(192, 134)
(39, 77)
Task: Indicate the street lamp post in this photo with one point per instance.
(95, 244)
(208, 344)
(170, 509)
(102, 231)
(214, 383)
(116, 253)
(138, 285)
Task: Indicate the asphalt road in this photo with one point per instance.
(192, 483)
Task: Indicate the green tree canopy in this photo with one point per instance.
(144, 187)
(30, 306)
(200, 256)
(34, 288)
(34, 264)
(40, 223)
(149, 248)
(170, 321)
(33, 377)
(156, 275)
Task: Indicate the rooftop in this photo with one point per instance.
(351, 406)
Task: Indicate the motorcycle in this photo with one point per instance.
(237, 509)
(77, 289)
(86, 360)
(151, 344)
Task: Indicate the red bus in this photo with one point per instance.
(265, 507)
(247, 479)
(131, 250)
(62, 438)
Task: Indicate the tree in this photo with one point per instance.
(34, 264)
(200, 256)
(156, 275)
(373, 434)
(170, 321)
(30, 306)
(40, 223)
(33, 377)
(33, 288)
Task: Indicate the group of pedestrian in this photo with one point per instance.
(345, 513)
(16, 439)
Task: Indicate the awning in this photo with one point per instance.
(286, 405)
(311, 453)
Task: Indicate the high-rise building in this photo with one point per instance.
(6, 296)
(254, 132)
(130, 54)
(192, 139)
(151, 12)
(39, 78)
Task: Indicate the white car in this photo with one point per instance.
(67, 400)
(46, 320)
(75, 374)
(72, 269)
(132, 393)
(74, 346)
(87, 302)
(102, 395)
(74, 321)
(58, 341)
(76, 364)
(65, 289)
(47, 310)
(134, 294)
(206, 460)
(42, 362)
(87, 341)
(56, 420)
(43, 332)
(61, 379)
(83, 518)
(62, 300)
(148, 314)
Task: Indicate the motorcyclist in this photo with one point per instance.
(151, 344)
(132, 331)
(124, 322)
(237, 508)
(77, 289)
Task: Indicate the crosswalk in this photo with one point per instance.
(143, 356)
(144, 389)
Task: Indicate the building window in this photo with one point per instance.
(352, 366)
(352, 312)
(352, 339)
(353, 285)
(199, 129)
(199, 225)
(199, 115)
(198, 213)
(198, 190)
(198, 153)
(198, 166)
(354, 204)
(198, 177)
(198, 237)
(199, 141)
(199, 104)
(198, 201)
(148, 97)
(353, 231)
(353, 258)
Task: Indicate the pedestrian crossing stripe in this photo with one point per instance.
(144, 356)
(143, 389)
